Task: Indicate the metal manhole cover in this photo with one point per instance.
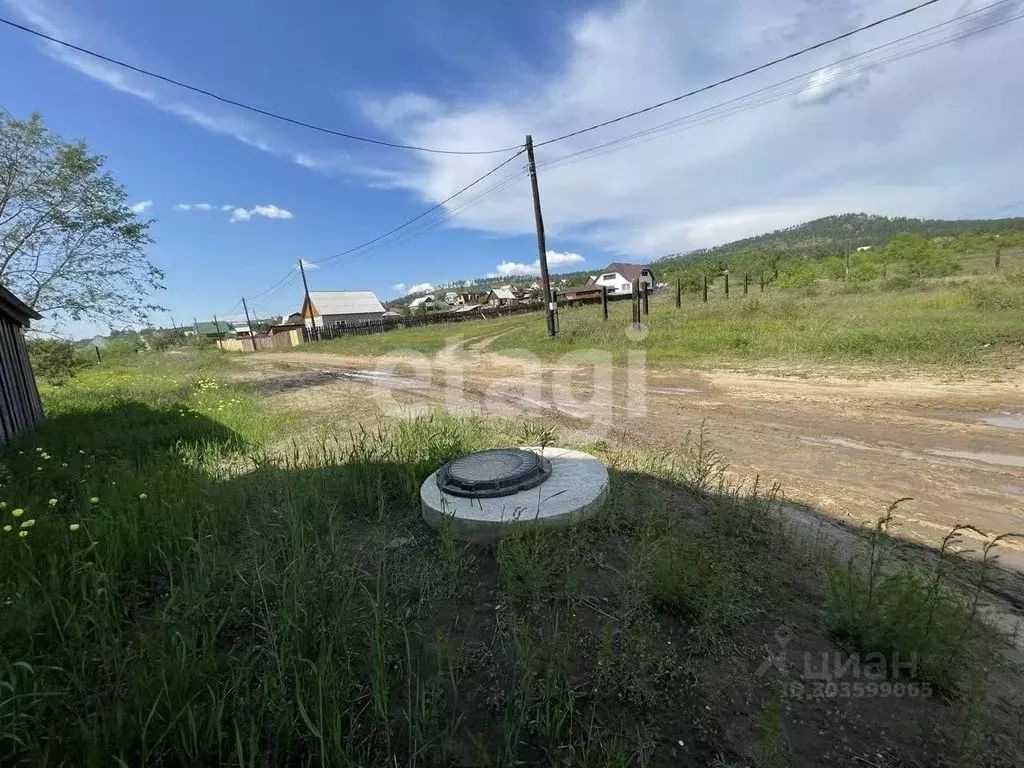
(497, 472)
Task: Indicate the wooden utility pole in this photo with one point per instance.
(196, 323)
(305, 285)
(542, 248)
(746, 281)
(174, 326)
(998, 251)
(727, 285)
(604, 301)
(248, 322)
(705, 289)
(679, 293)
(636, 303)
(216, 324)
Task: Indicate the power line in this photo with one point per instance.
(709, 114)
(425, 213)
(739, 75)
(243, 105)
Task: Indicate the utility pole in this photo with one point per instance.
(679, 293)
(604, 301)
(248, 322)
(174, 325)
(541, 244)
(216, 324)
(305, 285)
(196, 323)
(705, 289)
(646, 295)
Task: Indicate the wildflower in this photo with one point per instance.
(95, 500)
(3, 505)
(143, 496)
(7, 529)
(53, 502)
(28, 523)
(39, 469)
(23, 534)
(74, 526)
(18, 512)
(82, 452)
(39, 450)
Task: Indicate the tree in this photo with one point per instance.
(921, 257)
(70, 245)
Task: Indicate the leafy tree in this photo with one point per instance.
(796, 274)
(70, 245)
(921, 257)
(53, 360)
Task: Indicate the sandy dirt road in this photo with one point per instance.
(846, 447)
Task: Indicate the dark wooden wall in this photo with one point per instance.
(20, 407)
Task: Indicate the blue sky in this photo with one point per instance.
(936, 134)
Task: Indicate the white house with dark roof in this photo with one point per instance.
(325, 309)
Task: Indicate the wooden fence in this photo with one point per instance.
(20, 407)
(262, 341)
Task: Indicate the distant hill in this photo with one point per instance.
(835, 235)
(827, 236)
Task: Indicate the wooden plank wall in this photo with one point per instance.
(20, 407)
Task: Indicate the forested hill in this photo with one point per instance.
(834, 235)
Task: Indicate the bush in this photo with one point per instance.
(53, 360)
(921, 257)
(797, 275)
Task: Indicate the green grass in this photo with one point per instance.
(932, 326)
(962, 324)
(226, 602)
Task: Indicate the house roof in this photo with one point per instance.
(502, 293)
(16, 309)
(421, 301)
(629, 271)
(345, 302)
(205, 328)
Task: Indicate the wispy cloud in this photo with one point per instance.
(58, 22)
(398, 287)
(239, 213)
(421, 288)
(141, 207)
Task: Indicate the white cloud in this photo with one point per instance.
(227, 207)
(202, 206)
(183, 207)
(421, 288)
(512, 268)
(193, 207)
(555, 259)
(141, 207)
(398, 287)
(903, 139)
(266, 211)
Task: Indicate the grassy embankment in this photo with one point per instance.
(966, 324)
(172, 592)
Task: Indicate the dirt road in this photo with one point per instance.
(846, 447)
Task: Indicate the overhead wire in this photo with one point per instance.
(739, 75)
(243, 105)
(736, 106)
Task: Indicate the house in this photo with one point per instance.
(21, 410)
(326, 309)
(500, 297)
(213, 330)
(422, 302)
(619, 277)
(451, 297)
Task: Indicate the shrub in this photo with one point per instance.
(695, 578)
(53, 360)
(797, 275)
